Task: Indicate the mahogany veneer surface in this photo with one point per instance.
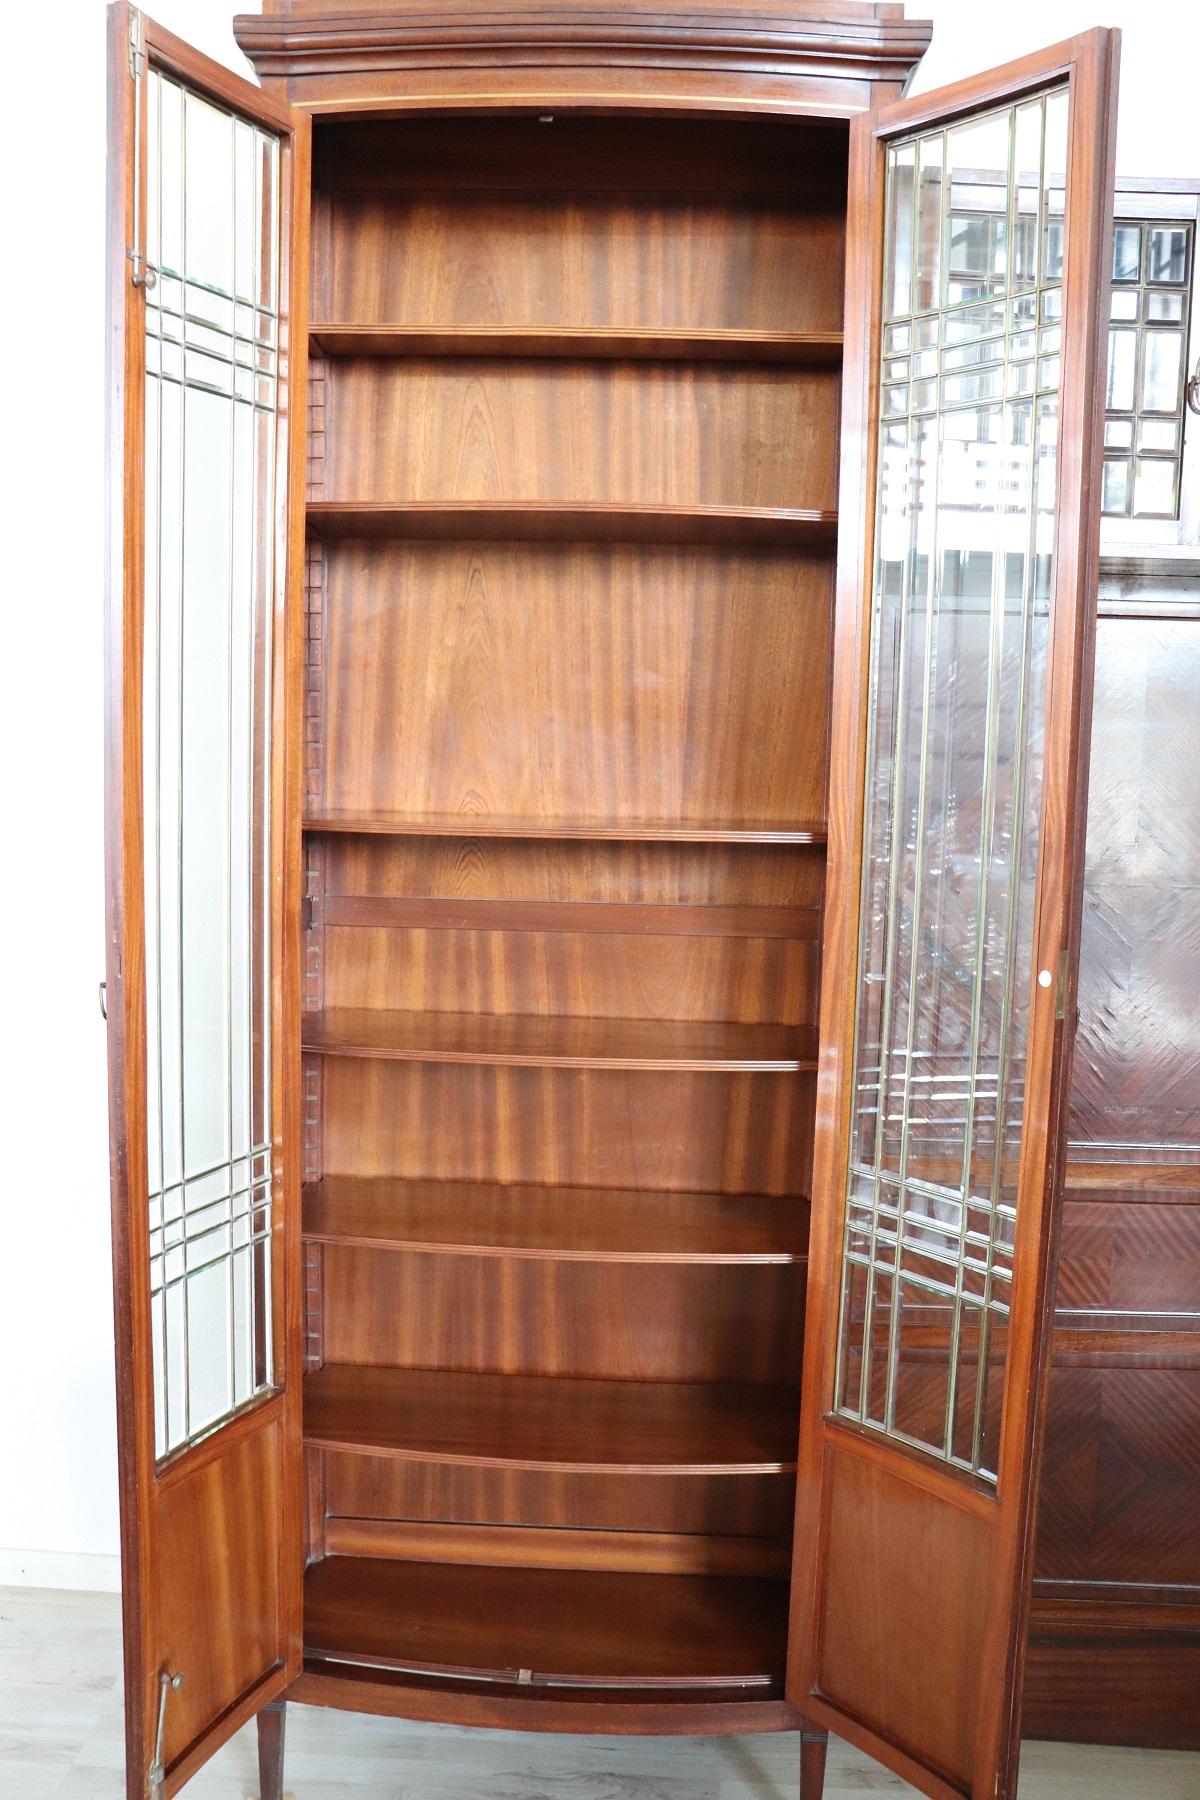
(588, 1224)
(390, 823)
(813, 348)
(553, 1423)
(559, 1041)
(580, 1626)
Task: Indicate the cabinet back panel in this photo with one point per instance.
(533, 869)
(594, 1320)
(384, 1487)
(721, 1134)
(639, 433)
(576, 681)
(601, 974)
(683, 262)
(800, 161)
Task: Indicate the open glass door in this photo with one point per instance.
(206, 225)
(976, 314)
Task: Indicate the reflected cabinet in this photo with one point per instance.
(600, 647)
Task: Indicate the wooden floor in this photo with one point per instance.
(60, 1739)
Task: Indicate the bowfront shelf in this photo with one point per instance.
(382, 823)
(553, 1422)
(549, 521)
(559, 1041)
(811, 349)
(479, 1218)
(576, 1627)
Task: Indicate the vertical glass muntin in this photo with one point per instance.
(968, 386)
(212, 371)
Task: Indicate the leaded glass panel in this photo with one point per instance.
(212, 373)
(968, 441)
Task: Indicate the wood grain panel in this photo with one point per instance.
(710, 1133)
(578, 682)
(1121, 1678)
(559, 1040)
(537, 1317)
(426, 429)
(580, 1627)
(682, 261)
(620, 874)
(218, 1564)
(900, 1570)
(799, 161)
(579, 1224)
(385, 1487)
(1136, 1259)
(815, 349)
(1121, 1478)
(619, 1427)
(599, 974)
(531, 1547)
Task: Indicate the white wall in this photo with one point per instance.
(58, 1494)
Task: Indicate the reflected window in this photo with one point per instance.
(1147, 368)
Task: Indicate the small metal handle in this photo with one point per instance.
(1193, 388)
(104, 1001)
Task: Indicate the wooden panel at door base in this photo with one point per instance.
(895, 1570)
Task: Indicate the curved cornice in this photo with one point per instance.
(879, 49)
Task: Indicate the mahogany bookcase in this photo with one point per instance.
(599, 669)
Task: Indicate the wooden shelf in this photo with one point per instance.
(812, 349)
(478, 1218)
(499, 825)
(553, 1422)
(580, 1627)
(552, 521)
(559, 1041)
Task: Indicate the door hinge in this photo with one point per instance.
(156, 1779)
(137, 44)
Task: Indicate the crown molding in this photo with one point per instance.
(400, 40)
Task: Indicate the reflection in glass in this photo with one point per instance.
(1162, 366)
(1168, 260)
(1146, 367)
(962, 589)
(1127, 252)
(211, 376)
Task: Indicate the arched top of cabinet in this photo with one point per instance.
(829, 56)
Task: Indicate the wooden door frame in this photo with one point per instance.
(1089, 62)
(142, 1478)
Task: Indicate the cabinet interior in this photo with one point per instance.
(573, 427)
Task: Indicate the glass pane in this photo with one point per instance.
(977, 230)
(1122, 363)
(1127, 252)
(1162, 365)
(1154, 488)
(965, 550)
(1158, 434)
(1116, 487)
(1168, 258)
(1146, 370)
(1167, 308)
(207, 657)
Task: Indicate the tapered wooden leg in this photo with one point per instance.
(270, 1751)
(813, 1744)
